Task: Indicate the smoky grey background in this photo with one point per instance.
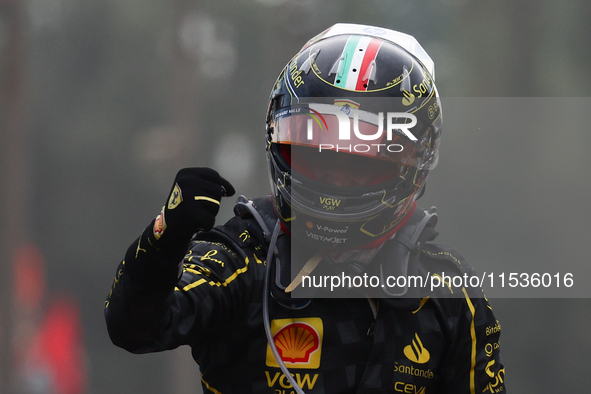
(534, 149)
(521, 171)
(120, 94)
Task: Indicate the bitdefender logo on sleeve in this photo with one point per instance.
(299, 342)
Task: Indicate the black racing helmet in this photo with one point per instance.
(353, 129)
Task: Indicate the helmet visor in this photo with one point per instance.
(386, 136)
(338, 169)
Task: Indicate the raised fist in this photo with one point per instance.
(192, 205)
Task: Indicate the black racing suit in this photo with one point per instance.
(419, 346)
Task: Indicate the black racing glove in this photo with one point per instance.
(192, 205)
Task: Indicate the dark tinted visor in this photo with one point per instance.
(338, 168)
(333, 128)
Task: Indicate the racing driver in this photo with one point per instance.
(319, 287)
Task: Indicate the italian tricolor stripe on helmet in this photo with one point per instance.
(356, 65)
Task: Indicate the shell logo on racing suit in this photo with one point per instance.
(299, 342)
